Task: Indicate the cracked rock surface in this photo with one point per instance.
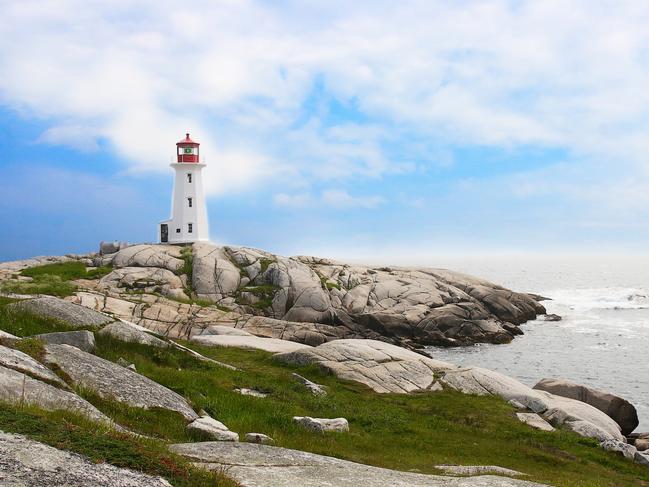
(255, 465)
(25, 462)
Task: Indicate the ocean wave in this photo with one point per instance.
(601, 298)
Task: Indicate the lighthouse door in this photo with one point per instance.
(164, 233)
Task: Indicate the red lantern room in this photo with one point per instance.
(187, 150)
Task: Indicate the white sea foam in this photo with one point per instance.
(601, 298)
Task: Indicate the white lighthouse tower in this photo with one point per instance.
(188, 221)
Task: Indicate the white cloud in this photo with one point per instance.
(236, 73)
(332, 198)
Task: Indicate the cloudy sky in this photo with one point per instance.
(376, 130)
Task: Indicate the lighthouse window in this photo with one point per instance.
(177, 230)
(189, 177)
(189, 201)
(189, 227)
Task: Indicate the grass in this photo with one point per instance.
(24, 324)
(53, 279)
(329, 284)
(403, 432)
(73, 432)
(413, 432)
(265, 293)
(67, 271)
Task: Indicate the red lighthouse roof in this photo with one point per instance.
(187, 141)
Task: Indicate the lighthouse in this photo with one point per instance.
(188, 221)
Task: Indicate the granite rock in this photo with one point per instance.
(82, 339)
(115, 382)
(72, 314)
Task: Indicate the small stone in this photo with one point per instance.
(642, 444)
(251, 392)
(641, 458)
(625, 449)
(551, 317)
(316, 389)
(259, 438)
(478, 470)
(517, 404)
(122, 361)
(213, 429)
(535, 421)
(436, 387)
(132, 367)
(321, 425)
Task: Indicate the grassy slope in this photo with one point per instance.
(54, 278)
(412, 432)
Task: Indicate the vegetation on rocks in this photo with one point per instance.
(53, 279)
(102, 444)
(397, 431)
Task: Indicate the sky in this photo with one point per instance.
(376, 130)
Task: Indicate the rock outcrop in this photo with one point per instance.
(111, 381)
(619, 409)
(25, 462)
(19, 388)
(60, 309)
(82, 339)
(131, 333)
(312, 301)
(274, 345)
(381, 366)
(255, 465)
(21, 362)
(580, 417)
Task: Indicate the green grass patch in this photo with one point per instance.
(66, 271)
(402, 432)
(53, 279)
(265, 294)
(31, 346)
(24, 324)
(69, 431)
(42, 284)
(326, 283)
(265, 262)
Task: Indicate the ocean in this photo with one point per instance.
(603, 338)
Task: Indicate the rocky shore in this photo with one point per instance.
(357, 323)
(302, 299)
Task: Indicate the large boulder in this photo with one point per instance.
(144, 279)
(114, 382)
(164, 256)
(26, 462)
(255, 465)
(580, 417)
(320, 425)
(621, 410)
(21, 362)
(60, 309)
(82, 339)
(127, 332)
(381, 366)
(19, 388)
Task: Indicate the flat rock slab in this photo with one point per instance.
(21, 362)
(25, 462)
(127, 332)
(381, 366)
(18, 388)
(72, 314)
(256, 465)
(82, 339)
(535, 421)
(257, 343)
(478, 470)
(112, 381)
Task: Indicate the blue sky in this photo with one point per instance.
(376, 131)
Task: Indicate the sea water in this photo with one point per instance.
(602, 340)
